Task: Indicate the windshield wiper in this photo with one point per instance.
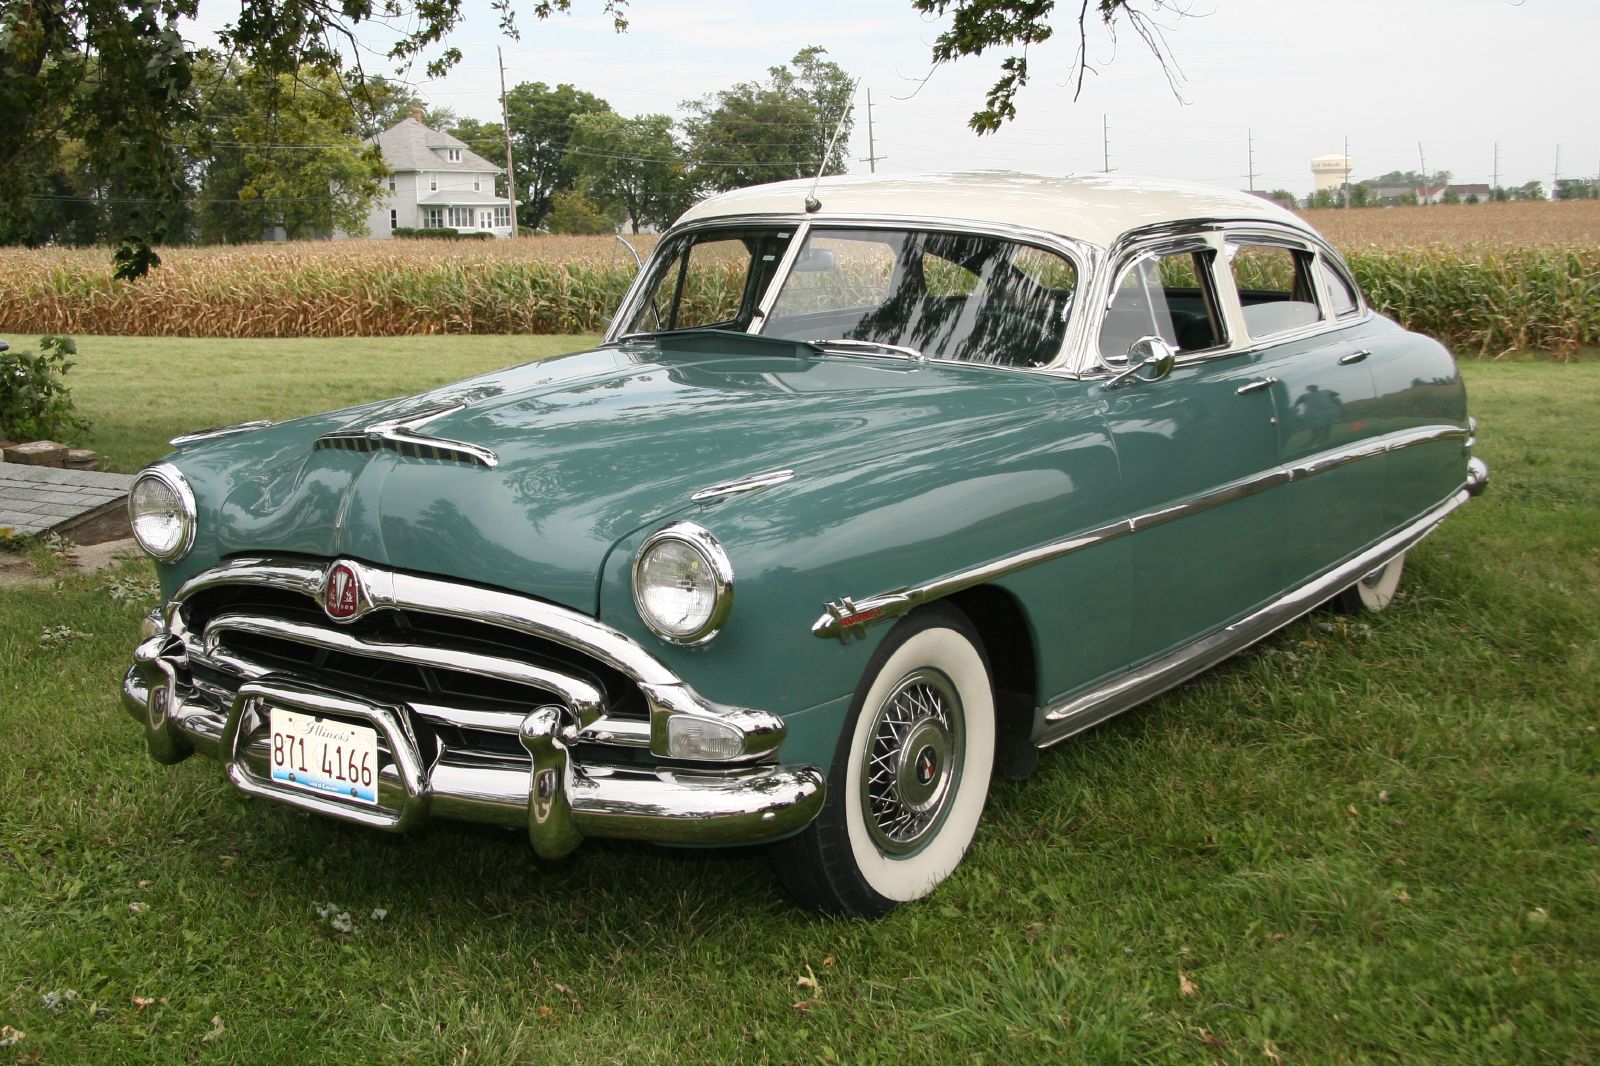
(875, 346)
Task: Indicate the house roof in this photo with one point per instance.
(1096, 208)
(409, 145)
(461, 197)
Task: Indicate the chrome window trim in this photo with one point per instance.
(700, 540)
(846, 617)
(1219, 230)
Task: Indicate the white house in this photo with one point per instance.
(435, 182)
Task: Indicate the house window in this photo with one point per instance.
(461, 217)
(455, 155)
(433, 217)
(391, 183)
(433, 183)
(502, 218)
(394, 219)
(477, 183)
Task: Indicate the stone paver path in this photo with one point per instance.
(34, 499)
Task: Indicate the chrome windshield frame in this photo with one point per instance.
(1085, 258)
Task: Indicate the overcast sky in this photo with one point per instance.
(1295, 76)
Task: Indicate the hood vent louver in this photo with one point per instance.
(401, 435)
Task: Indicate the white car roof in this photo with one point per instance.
(1097, 208)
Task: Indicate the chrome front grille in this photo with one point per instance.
(473, 680)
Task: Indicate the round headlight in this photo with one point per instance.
(161, 511)
(683, 584)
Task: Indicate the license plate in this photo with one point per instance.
(323, 755)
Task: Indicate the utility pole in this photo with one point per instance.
(505, 126)
(872, 152)
(1105, 143)
(1423, 160)
(1250, 141)
(1347, 170)
(1494, 190)
(1555, 175)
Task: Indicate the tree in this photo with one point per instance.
(113, 74)
(634, 162)
(573, 212)
(381, 103)
(1576, 188)
(1533, 190)
(541, 130)
(283, 150)
(756, 132)
(1021, 25)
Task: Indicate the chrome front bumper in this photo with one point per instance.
(557, 795)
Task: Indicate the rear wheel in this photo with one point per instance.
(909, 777)
(1375, 591)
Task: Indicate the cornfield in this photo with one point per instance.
(1486, 279)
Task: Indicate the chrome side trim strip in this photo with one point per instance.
(744, 484)
(401, 435)
(220, 431)
(585, 699)
(665, 692)
(847, 617)
(1074, 714)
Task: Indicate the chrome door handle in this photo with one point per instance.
(1259, 383)
(1353, 357)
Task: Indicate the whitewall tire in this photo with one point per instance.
(909, 778)
(1375, 591)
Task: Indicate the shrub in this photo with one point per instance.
(34, 401)
(430, 233)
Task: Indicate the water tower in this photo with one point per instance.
(1330, 171)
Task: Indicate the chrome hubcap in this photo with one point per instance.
(913, 761)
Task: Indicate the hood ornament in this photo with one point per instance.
(401, 435)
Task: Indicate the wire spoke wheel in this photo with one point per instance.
(914, 762)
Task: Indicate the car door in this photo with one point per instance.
(1197, 451)
(1324, 405)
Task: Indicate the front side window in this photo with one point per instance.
(433, 217)
(461, 217)
(502, 218)
(963, 296)
(1167, 295)
(1275, 290)
(709, 279)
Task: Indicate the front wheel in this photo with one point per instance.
(909, 777)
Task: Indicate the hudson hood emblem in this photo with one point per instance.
(342, 594)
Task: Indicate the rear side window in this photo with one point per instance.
(1341, 294)
(1167, 296)
(1275, 288)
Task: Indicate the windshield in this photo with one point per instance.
(962, 296)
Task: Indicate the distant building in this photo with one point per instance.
(1330, 171)
(1483, 193)
(435, 182)
(1396, 193)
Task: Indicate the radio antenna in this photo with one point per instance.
(813, 205)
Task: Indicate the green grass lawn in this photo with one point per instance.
(139, 392)
(1362, 841)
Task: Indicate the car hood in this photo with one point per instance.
(586, 449)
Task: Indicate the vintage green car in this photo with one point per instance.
(877, 487)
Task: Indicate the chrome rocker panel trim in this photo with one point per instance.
(1070, 716)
